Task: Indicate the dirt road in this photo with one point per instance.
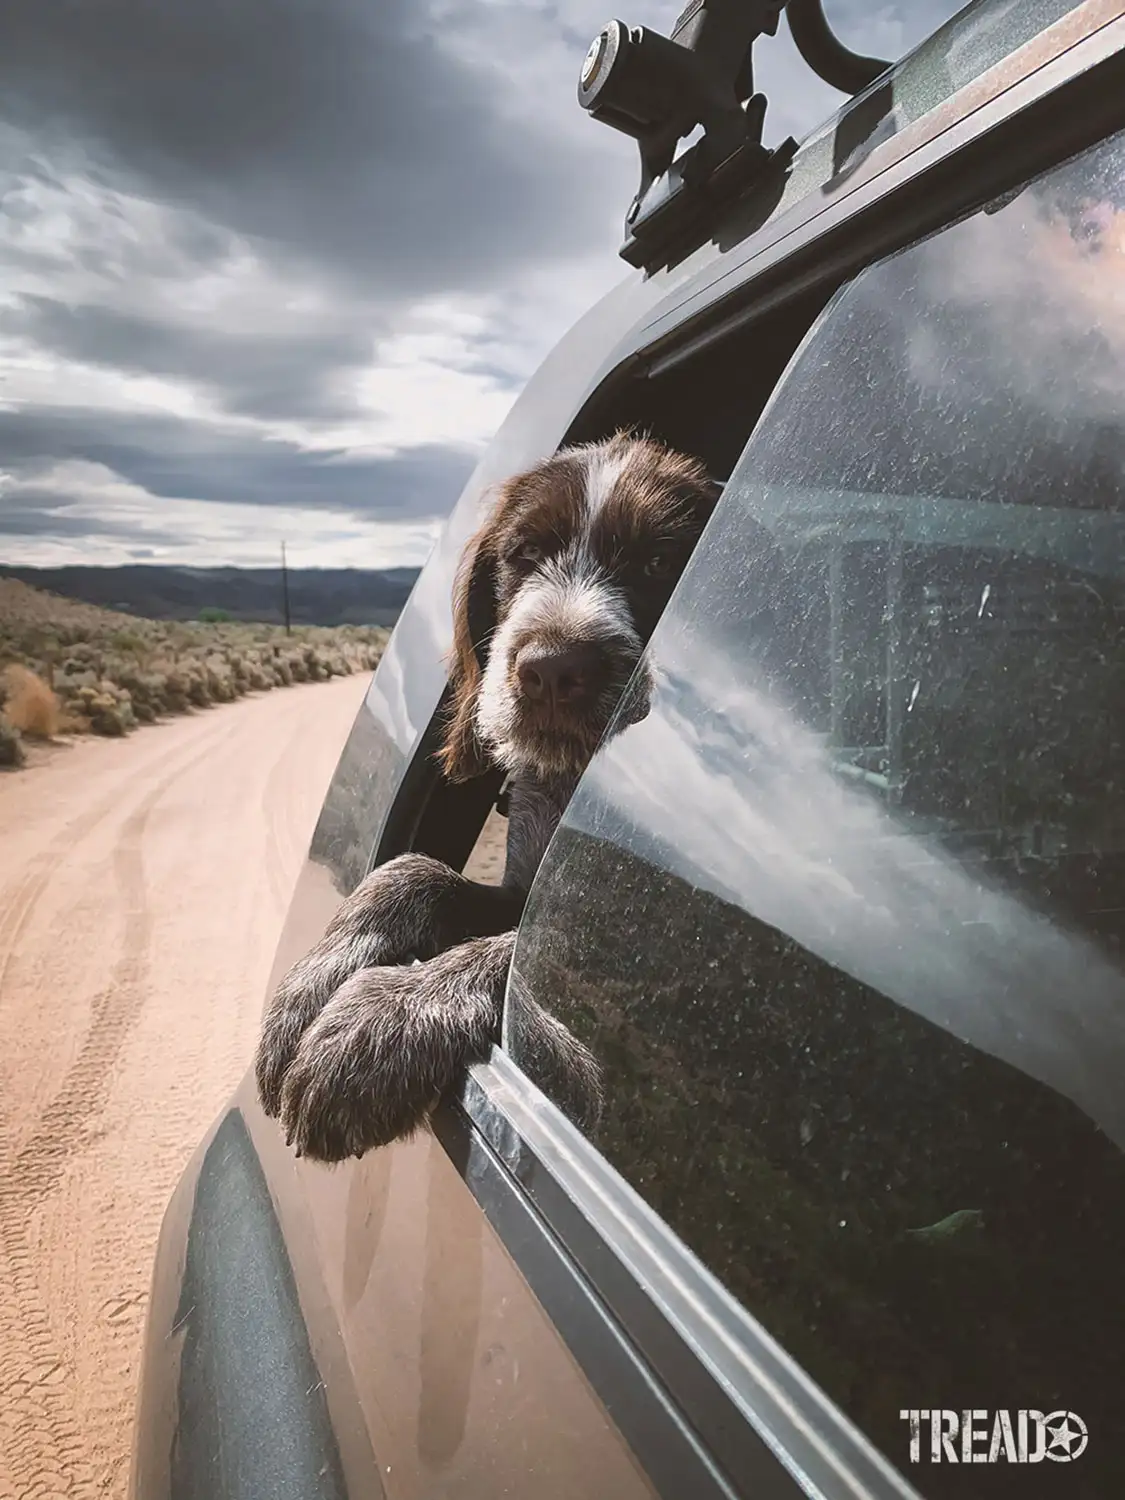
(142, 889)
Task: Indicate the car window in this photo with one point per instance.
(838, 909)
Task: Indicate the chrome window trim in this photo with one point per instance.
(639, 1405)
(735, 1384)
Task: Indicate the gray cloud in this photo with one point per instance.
(45, 515)
(176, 459)
(376, 137)
(281, 372)
(359, 157)
(344, 130)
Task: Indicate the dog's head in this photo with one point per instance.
(556, 597)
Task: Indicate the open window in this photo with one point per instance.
(705, 405)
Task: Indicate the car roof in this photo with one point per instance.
(976, 39)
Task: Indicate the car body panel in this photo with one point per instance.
(246, 1390)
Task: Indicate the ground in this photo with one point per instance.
(143, 884)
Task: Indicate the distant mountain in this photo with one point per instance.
(317, 596)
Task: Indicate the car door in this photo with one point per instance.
(838, 908)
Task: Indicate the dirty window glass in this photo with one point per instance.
(838, 912)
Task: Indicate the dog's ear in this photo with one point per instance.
(712, 493)
(462, 755)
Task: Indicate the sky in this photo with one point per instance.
(278, 270)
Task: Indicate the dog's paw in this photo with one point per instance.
(280, 1037)
(387, 1045)
(368, 1070)
(392, 917)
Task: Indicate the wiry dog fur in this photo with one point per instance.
(556, 597)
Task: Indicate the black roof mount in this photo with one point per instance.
(659, 89)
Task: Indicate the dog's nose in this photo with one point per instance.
(560, 676)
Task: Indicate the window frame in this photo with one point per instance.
(678, 1313)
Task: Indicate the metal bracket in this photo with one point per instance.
(660, 89)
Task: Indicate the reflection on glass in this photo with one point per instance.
(841, 916)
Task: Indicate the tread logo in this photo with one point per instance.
(983, 1437)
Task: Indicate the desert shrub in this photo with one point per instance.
(147, 693)
(11, 746)
(68, 684)
(109, 670)
(30, 704)
(170, 689)
(106, 718)
(139, 685)
(211, 614)
(127, 641)
(126, 710)
(220, 683)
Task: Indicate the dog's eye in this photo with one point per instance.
(660, 565)
(530, 555)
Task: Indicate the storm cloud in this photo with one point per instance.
(299, 257)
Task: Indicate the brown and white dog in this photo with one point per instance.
(557, 594)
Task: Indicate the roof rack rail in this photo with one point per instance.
(659, 89)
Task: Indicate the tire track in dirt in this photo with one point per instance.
(21, 900)
(33, 1392)
(65, 1122)
(153, 924)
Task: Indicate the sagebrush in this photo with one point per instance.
(67, 667)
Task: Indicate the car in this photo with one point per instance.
(839, 916)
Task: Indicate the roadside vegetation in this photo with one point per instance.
(68, 668)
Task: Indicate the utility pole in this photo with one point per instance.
(285, 590)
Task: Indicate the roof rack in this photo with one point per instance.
(659, 89)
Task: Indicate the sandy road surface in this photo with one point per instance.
(142, 889)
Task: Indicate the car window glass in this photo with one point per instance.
(838, 910)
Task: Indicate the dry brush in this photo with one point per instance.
(72, 668)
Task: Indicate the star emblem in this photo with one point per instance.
(1067, 1436)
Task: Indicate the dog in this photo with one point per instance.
(554, 601)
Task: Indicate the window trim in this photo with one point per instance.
(639, 1406)
(756, 1411)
